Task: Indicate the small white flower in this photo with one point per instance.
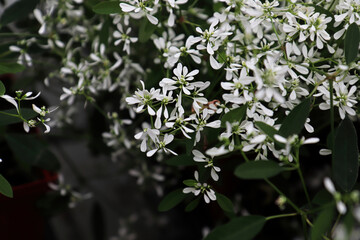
(199, 157)
(160, 145)
(202, 188)
(341, 207)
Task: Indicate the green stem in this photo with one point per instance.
(302, 177)
(335, 224)
(10, 114)
(287, 199)
(304, 220)
(304, 185)
(244, 156)
(331, 5)
(281, 216)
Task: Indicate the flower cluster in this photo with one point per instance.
(180, 80)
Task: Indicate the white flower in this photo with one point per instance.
(294, 141)
(144, 98)
(180, 80)
(123, 36)
(137, 7)
(24, 58)
(344, 98)
(199, 157)
(160, 145)
(145, 134)
(202, 188)
(341, 207)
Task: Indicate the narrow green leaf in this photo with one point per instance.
(2, 88)
(171, 200)
(18, 11)
(180, 160)
(244, 228)
(224, 202)
(235, 115)
(5, 187)
(190, 182)
(107, 7)
(192, 205)
(295, 121)
(351, 44)
(27, 113)
(10, 68)
(345, 158)
(322, 223)
(146, 30)
(258, 169)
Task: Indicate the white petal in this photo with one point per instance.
(214, 175)
(311, 140)
(341, 207)
(26, 127)
(151, 152)
(258, 139)
(10, 100)
(127, 7)
(152, 19)
(280, 138)
(329, 185)
(214, 64)
(151, 111)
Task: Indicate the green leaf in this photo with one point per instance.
(18, 11)
(258, 169)
(146, 30)
(322, 223)
(224, 202)
(104, 32)
(349, 222)
(5, 187)
(345, 158)
(192, 205)
(27, 113)
(322, 197)
(295, 121)
(171, 200)
(244, 228)
(190, 182)
(31, 151)
(10, 68)
(108, 7)
(235, 115)
(351, 44)
(180, 160)
(2, 89)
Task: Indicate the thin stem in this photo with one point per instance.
(10, 114)
(335, 224)
(304, 185)
(331, 5)
(244, 156)
(281, 216)
(287, 199)
(305, 220)
(301, 176)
